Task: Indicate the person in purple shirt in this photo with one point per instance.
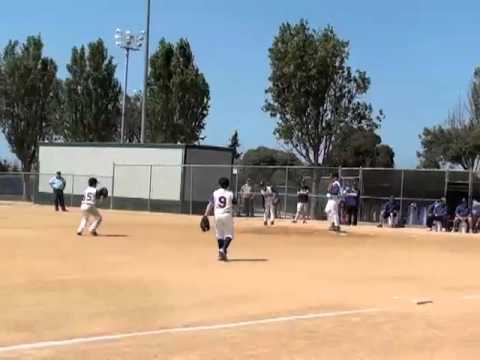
(462, 214)
(352, 202)
(390, 209)
(438, 211)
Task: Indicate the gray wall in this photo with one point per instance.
(130, 181)
(204, 180)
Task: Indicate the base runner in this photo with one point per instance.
(269, 201)
(333, 196)
(302, 204)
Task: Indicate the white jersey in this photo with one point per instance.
(334, 190)
(89, 196)
(269, 195)
(222, 201)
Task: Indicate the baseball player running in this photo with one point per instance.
(222, 202)
(333, 196)
(89, 209)
(269, 196)
(302, 204)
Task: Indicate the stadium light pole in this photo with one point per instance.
(129, 42)
(145, 74)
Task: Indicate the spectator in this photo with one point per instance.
(58, 183)
(462, 214)
(389, 211)
(438, 211)
(475, 216)
(246, 195)
(352, 202)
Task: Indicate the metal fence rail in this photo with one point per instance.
(186, 188)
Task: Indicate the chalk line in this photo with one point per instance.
(91, 339)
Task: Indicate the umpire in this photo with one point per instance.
(57, 183)
(352, 202)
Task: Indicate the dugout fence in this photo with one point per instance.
(186, 188)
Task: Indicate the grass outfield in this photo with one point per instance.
(292, 291)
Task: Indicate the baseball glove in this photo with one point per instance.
(102, 193)
(205, 224)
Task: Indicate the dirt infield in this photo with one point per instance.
(292, 291)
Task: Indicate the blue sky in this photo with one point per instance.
(420, 54)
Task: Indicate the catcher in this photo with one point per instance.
(221, 202)
(88, 208)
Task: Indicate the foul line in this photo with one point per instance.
(85, 340)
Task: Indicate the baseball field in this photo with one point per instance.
(150, 287)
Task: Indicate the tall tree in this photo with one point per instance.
(457, 141)
(270, 164)
(264, 156)
(8, 166)
(29, 98)
(179, 95)
(360, 148)
(133, 114)
(313, 93)
(385, 156)
(234, 144)
(92, 95)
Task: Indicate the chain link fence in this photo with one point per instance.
(186, 189)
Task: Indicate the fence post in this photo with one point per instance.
(360, 189)
(113, 187)
(286, 193)
(191, 189)
(445, 190)
(24, 187)
(401, 195)
(150, 189)
(470, 187)
(235, 172)
(73, 190)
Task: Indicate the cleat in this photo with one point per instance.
(304, 221)
(294, 221)
(265, 223)
(94, 233)
(272, 223)
(79, 233)
(222, 256)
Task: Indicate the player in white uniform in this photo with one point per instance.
(269, 201)
(333, 202)
(88, 208)
(222, 202)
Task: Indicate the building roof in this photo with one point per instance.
(136, 146)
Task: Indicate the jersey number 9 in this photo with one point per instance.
(222, 202)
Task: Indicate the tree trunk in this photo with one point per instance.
(315, 207)
(27, 188)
